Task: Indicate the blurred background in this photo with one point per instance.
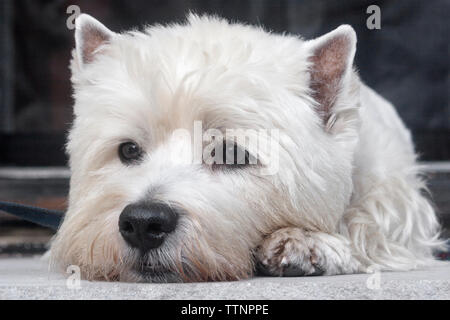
(407, 61)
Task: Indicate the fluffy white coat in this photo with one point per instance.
(347, 195)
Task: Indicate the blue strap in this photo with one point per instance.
(44, 217)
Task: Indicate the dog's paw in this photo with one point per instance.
(286, 253)
(296, 252)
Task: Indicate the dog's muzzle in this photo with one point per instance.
(145, 225)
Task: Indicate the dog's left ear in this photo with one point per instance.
(90, 36)
(331, 57)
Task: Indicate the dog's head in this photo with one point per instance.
(192, 142)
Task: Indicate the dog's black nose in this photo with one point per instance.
(145, 225)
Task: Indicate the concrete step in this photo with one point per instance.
(29, 278)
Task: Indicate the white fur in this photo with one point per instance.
(352, 186)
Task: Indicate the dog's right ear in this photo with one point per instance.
(90, 38)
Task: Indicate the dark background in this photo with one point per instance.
(407, 61)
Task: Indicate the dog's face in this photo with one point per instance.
(150, 198)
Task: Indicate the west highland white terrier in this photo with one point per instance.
(161, 192)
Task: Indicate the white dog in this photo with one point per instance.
(346, 195)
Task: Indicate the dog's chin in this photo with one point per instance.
(158, 275)
(148, 273)
(150, 277)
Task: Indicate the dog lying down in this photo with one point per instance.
(211, 151)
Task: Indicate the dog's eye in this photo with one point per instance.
(233, 156)
(129, 152)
